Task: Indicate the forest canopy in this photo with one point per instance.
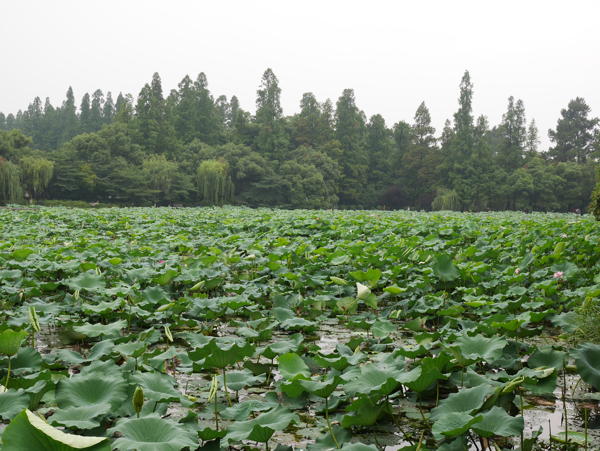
(189, 148)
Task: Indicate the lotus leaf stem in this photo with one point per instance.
(8, 373)
(337, 445)
(225, 387)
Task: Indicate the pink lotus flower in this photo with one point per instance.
(162, 261)
(558, 275)
(517, 271)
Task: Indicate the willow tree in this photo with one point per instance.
(446, 200)
(161, 175)
(36, 174)
(10, 182)
(214, 182)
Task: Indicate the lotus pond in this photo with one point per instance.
(231, 328)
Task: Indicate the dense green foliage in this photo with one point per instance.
(595, 202)
(162, 149)
(170, 329)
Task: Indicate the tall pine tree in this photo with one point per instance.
(271, 140)
(351, 132)
(574, 135)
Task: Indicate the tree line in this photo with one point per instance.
(190, 148)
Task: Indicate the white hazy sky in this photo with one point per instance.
(394, 54)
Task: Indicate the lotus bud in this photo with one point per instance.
(33, 319)
(362, 291)
(168, 333)
(138, 400)
(212, 392)
(198, 286)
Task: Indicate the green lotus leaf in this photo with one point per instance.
(21, 254)
(155, 295)
(91, 389)
(297, 323)
(497, 422)
(444, 269)
(382, 328)
(453, 424)
(587, 359)
(12, 402)
(84, 417)
(99, 350)
(458, 444)
(166, 277)
(338, 362)
(293, 388)
(480, 347)
(236, 380)
(158, 361)
(35, 385)
(567, 268)
(243, 410)
(541, 386)
(547, 357)
(103, 308)
(221, 354)
(261, 428)
(69, 336)
(568, 321)
(426, 374)
(10, 274)
(209, 433)
(326, 443)
(373, 379)
(97, 330)
(158, 387)
(195, 340)
(27, 431)
(87, 281)
(152, 433)
(465, 401)
(363, 412)
(69, 356)
(104, 367)
(322, 389)
(340, 260)
(131, 349)
(371, 276)
(537, 381)
(347, 304)
(281, 313)
(292, 367)
(281, 347)
(10, 341)
(27, 360)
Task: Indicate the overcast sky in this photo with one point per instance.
(394, 54)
